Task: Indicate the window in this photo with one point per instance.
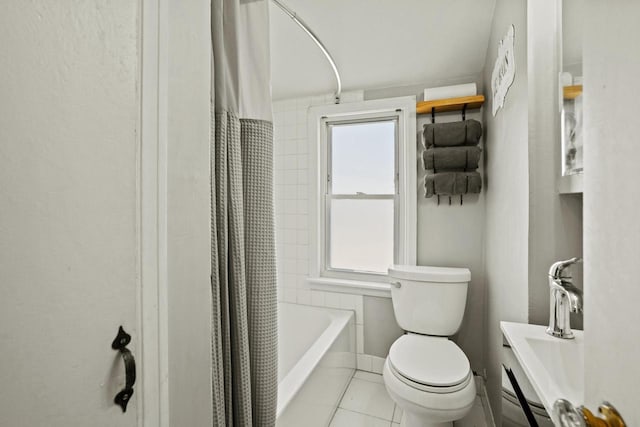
(361, 195)
(363, 171)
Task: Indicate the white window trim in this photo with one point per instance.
(407, 170)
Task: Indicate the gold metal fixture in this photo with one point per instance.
(609, 416)
(569, 416)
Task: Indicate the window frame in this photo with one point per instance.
(403, 111)
(328, 123)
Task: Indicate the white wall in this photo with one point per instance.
(611, 201)
(453, 236)
(507, 195)
(555, 221)
(188, 227)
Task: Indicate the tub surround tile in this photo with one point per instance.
(288, 264)
(290, 295)
(344, 418)
(347, 302)
(302, 268)
(290, 281)
(359, 307)
(290, 117)
(332, 300)
(290, 249)
(291, 179)
(290, 238)
(303, 179)
(303, 297)
(317, 298)
(359, 339)
(368, 398)
(302, 237)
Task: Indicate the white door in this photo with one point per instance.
(611, 204)
(69, 210)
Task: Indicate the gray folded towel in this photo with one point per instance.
(451, 158)
(452, 183)
(467, 132)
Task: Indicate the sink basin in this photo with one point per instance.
(564, 362)
(554, 366)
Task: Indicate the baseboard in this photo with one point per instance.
(484, 398)
(370, 363)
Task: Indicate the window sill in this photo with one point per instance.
(357, 287)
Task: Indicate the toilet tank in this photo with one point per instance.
(429, 300)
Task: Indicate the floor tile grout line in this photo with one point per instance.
(353, 377)
(369, 381)
(344, 392)
(395, 408)
(363, 413)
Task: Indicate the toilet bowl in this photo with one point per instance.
(425, 373)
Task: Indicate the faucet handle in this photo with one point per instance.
(557, 268)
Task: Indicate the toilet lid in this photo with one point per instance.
(429, 360)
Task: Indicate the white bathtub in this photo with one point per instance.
(316, 360)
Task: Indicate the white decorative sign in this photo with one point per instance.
(504, 70)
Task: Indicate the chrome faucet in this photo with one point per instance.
(565, 298)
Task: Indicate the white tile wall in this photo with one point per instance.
(291, 174)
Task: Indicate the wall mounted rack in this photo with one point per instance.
(450, 104)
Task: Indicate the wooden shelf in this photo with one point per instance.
(572, 92)
(571, 184)
(450, 104)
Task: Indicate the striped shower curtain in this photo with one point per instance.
(243, 280)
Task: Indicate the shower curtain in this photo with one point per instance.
(243, 280)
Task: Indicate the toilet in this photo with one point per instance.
(425, 373)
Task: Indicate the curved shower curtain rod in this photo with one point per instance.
(315, 38)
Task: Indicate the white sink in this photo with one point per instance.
(554, 366)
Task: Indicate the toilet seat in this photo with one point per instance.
(430, 388)
(426, 405)
(431, 364)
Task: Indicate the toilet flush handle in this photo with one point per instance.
(396, 284)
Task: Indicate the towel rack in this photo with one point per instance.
(447, 105)
(464, 113)
(450, 104)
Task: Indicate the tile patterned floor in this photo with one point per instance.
(366, 404)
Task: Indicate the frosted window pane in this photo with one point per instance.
(363, 158)
(361, 235)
